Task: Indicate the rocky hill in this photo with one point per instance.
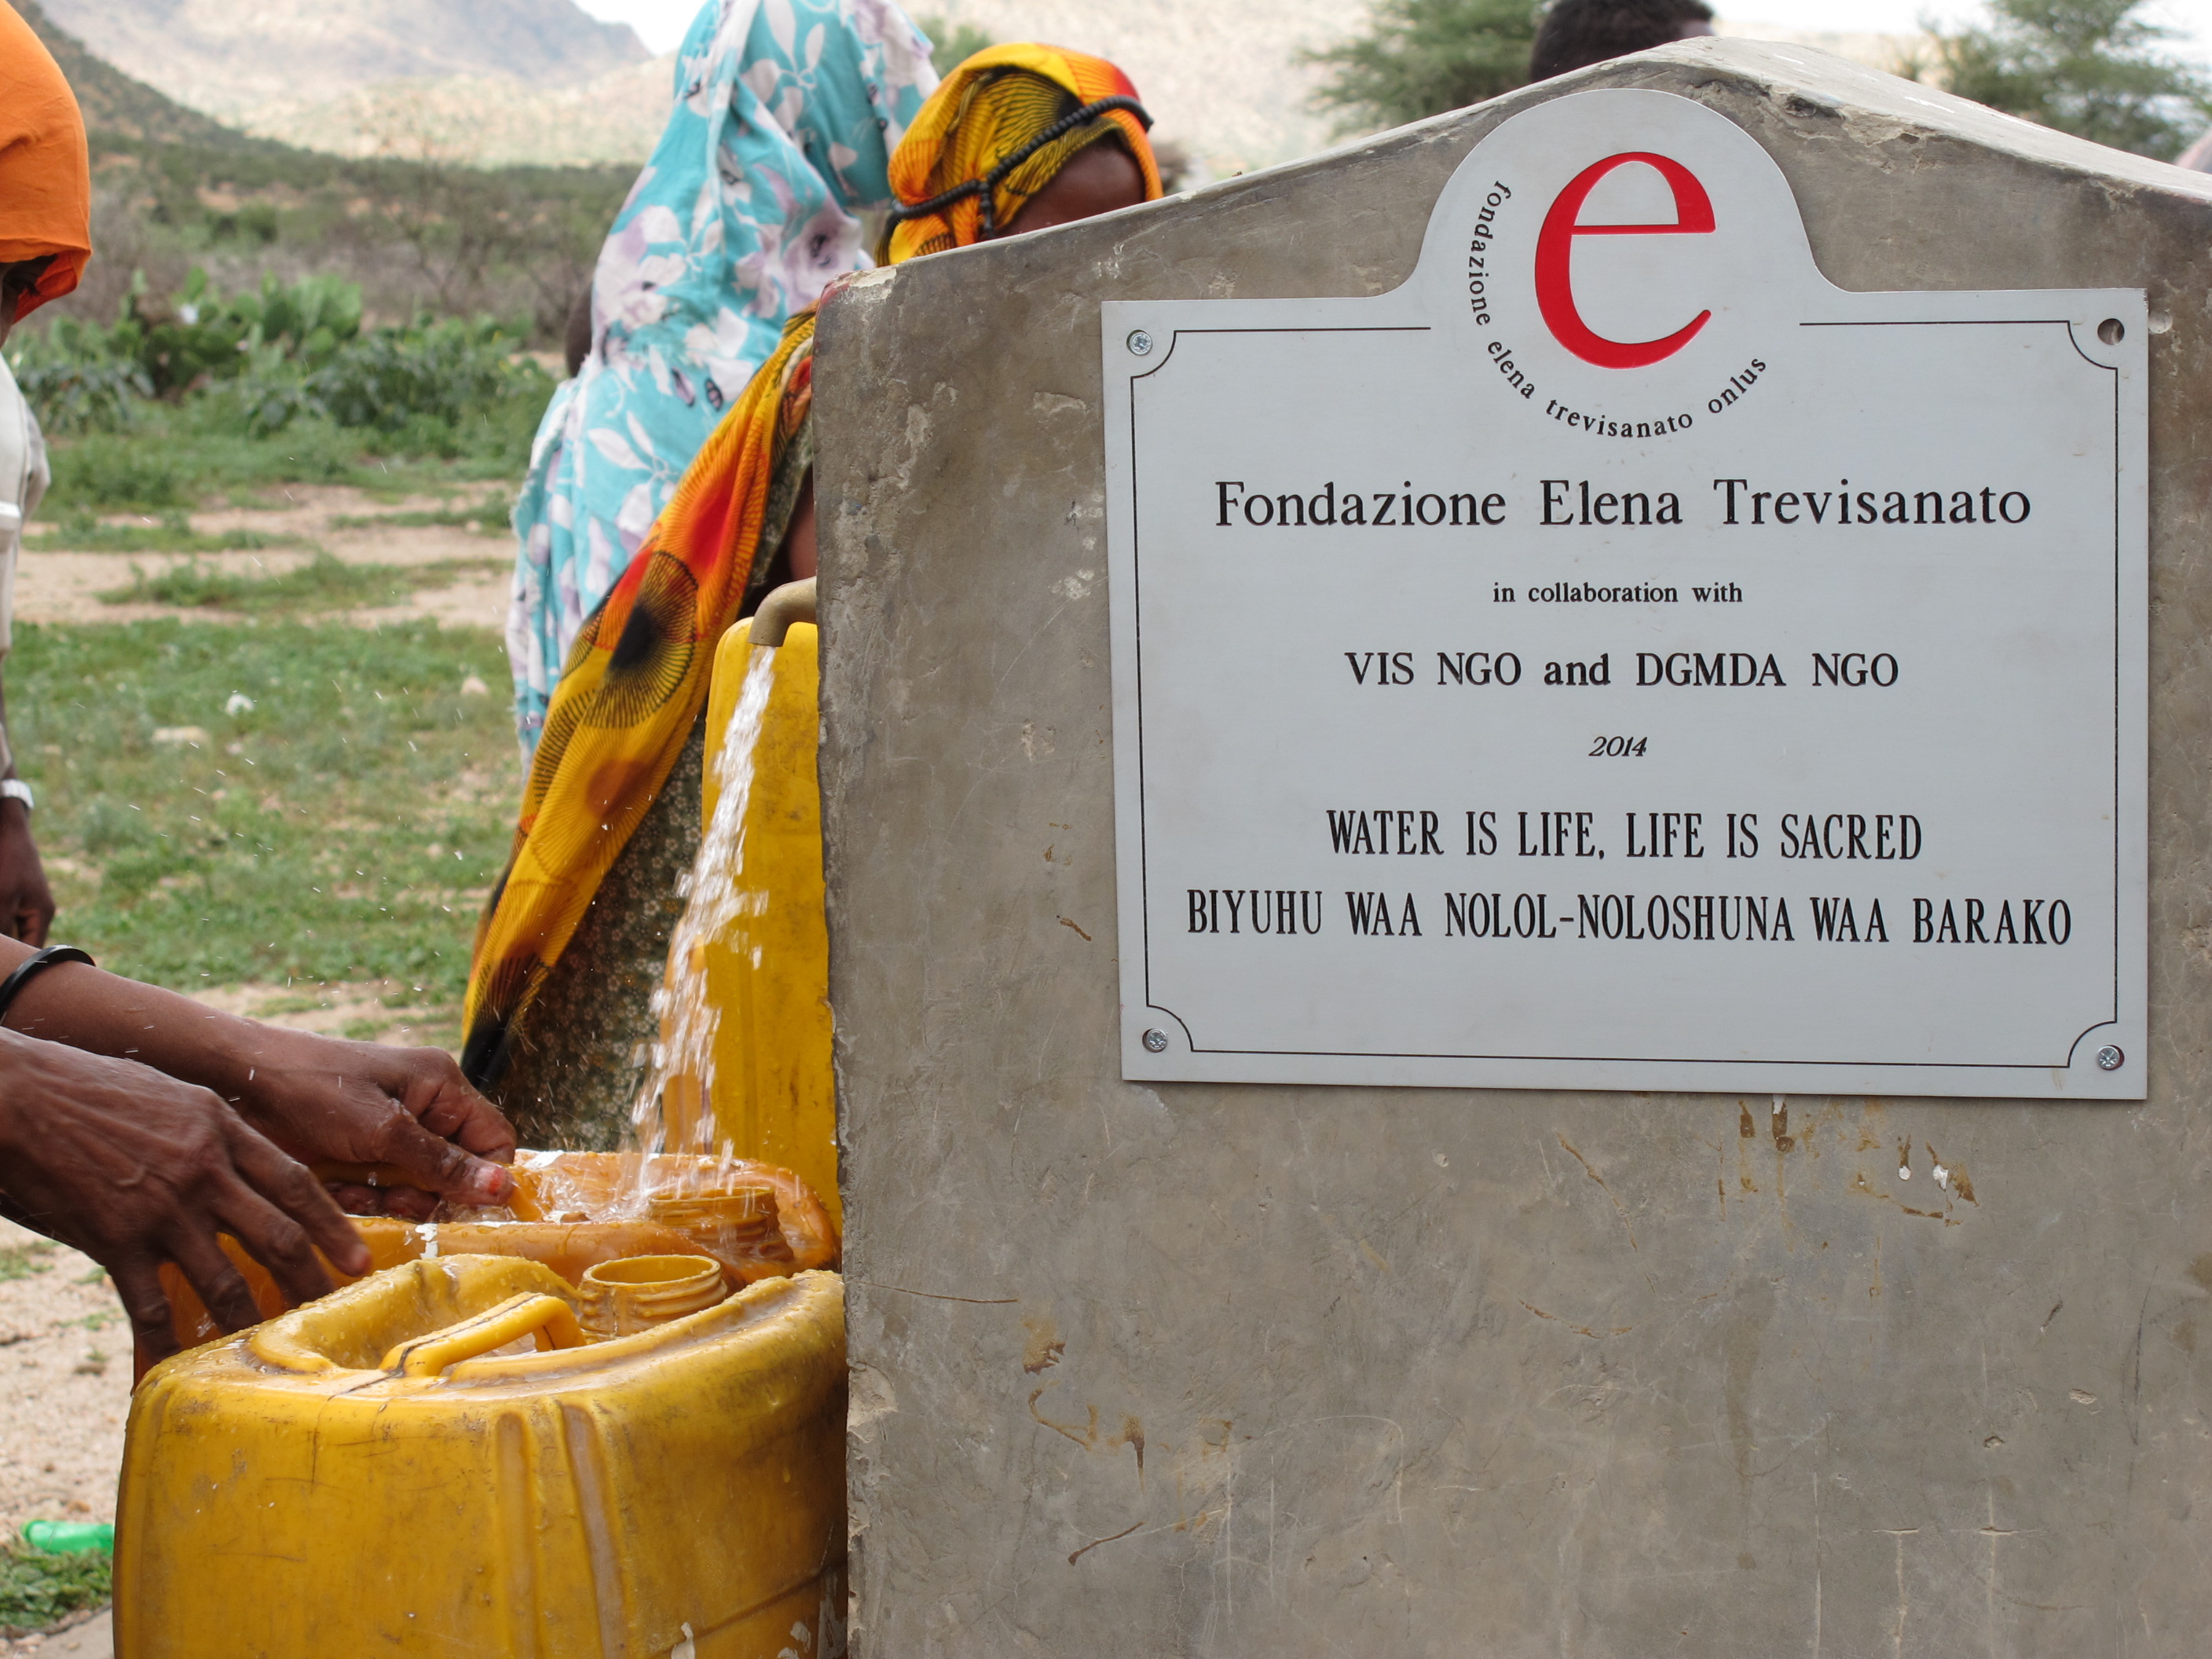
(494, 82)
(175, 189)
(479, 121)
(223, 56)
(114, 104)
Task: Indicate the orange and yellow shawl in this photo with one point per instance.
(636, 679)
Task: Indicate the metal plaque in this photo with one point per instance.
(1620, 658)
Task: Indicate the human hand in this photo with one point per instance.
(328, 1100)
(321, 1099)
(27, 905)
(136, 1168)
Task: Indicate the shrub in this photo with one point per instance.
(166, 347)
(952, 43)
(203, 334)
(76, 378)
(442, 371)
(1420, 58)
(37, 1589)
(2093, 68)
(112, 471)
(255, 364)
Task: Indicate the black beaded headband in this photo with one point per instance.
(987, 185)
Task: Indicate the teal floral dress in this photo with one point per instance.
(785, 114)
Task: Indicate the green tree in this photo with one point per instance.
(1421, 57)
(2088, 67)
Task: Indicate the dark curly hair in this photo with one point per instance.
(1576, 34)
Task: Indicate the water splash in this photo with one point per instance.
(673, 1109)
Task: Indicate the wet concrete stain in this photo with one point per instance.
(1086, 1437)
(1043, 1347)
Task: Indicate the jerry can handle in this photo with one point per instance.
(548, 1315)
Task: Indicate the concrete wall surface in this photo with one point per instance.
(1189, 1370)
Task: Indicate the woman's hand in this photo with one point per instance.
(326, 1100)
(136, 1168)
(320, 1098)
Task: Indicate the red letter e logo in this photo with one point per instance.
(1555, 287)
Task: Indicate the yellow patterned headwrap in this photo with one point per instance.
(996, 131)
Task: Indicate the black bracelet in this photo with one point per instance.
(31, 965)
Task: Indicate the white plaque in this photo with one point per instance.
(1620, 658)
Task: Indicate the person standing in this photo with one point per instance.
(136, 1125)
(785, 115)
(46, 237)
(1021, 138)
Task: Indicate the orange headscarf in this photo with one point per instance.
(46, 174)
(636, 677)
(1001, 127)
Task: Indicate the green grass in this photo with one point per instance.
(37, 1589)
(343, 828)
(492, 515)
(322, 583)
(22, 1261)
(191, 455)
(171, 533)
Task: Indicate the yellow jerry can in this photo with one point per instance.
(573, 1211)
(766, 972)
(388, 1471)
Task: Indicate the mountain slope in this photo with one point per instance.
(480, 122)
(115, 104)
(224, 56)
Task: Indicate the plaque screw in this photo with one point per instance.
(2109, 1058)
(1140, 345)
(1156, 1041)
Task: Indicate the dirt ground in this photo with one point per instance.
(64, 1346)
(87, 1635)
(56, 584)
(341, 1009)
(64, 1386)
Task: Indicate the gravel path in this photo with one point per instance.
(55, 583)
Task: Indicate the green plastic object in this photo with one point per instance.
(69, 1537)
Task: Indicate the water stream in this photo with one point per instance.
(673, 1109)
